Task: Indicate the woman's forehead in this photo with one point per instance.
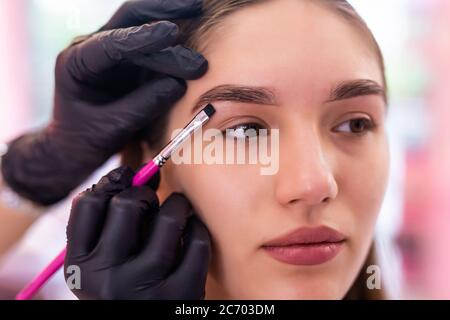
(301, 46)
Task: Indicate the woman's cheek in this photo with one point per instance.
(362, 186)
(219, 193)
(225, 197)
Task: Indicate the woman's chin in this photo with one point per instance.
(312, 288)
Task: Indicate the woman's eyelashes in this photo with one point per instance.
(356, 126)
(244, 130)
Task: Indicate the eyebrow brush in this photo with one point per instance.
(141, 178)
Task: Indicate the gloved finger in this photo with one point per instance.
(137, 109)
(134, 13)
(159, 254)
(89, 211)
(128, 212)
(104, 50)
(178, 61)
(193, 269)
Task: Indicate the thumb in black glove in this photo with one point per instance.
(127, 247)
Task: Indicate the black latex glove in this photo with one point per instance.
(127, 247)
(100, 100)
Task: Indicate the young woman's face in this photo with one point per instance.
(333, 151)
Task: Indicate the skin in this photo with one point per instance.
(326, 177)
(13, 225)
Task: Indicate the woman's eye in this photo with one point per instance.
(244, 131)
(356, 126)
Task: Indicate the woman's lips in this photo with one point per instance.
(306, 246)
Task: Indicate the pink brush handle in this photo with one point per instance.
(145, 174)
(30, 290)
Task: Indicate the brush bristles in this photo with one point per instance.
(209, 110)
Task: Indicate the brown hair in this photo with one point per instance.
(193, 34)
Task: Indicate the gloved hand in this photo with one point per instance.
(100, 102)
(127, 247)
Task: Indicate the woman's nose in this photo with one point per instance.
(304, 176)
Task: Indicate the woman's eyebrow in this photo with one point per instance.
(238, 93)
(265, 96)
(356, 88)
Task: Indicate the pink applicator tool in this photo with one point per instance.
(141, 178)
